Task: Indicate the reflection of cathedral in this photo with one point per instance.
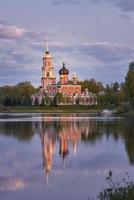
(61, 135)
(48, 148)
(70, 89)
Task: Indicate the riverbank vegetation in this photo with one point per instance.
(51, 109)
(117, 189)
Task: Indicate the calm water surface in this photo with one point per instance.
(62, 156)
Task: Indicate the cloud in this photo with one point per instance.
(13, 74)
(12, 56)
(100, 51)
(106, 52)
(10, 31)
(18, 65)
(54, 46)
(125, 16)
(124, 5)
(72, 2)
(38, 36)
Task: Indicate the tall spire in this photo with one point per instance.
(47, 49)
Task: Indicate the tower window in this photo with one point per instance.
(47, 74)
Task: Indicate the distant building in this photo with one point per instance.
(69, 89)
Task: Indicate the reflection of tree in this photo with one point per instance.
(123, 129)
(89, 131)
(110, 129)
(96, 133)
(116, 129)
(127, 130)
(21, 130)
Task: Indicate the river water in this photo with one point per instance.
(62, 156)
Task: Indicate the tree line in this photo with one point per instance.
(18, 95)
(120, 93)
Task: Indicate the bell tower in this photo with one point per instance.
(48, 77)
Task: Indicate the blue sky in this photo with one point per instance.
(95, 38)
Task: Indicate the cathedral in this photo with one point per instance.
(48, 80)
(68, 88)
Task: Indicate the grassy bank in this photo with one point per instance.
(125, 110)
(122, 110)
(51, 109)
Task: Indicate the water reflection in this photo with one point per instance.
(61, 134)
(11, 184)
(23, 131)
(65, 136)
(127, 133)
(48, 140)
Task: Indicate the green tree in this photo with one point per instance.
(92, 86)
(129, 84)
(113, 95)
(116, 87)
(19, 94)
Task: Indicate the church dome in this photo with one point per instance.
(47, 54)
(63, 70)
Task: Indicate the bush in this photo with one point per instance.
(117, 189)
(123, 108)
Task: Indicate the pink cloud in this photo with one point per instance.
(11, 31)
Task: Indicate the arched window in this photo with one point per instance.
(47, 74)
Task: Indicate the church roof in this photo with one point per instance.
(63, 70)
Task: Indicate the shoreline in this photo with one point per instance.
(60, 109)
(49, 109)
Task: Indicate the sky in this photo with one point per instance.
(95, 38)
